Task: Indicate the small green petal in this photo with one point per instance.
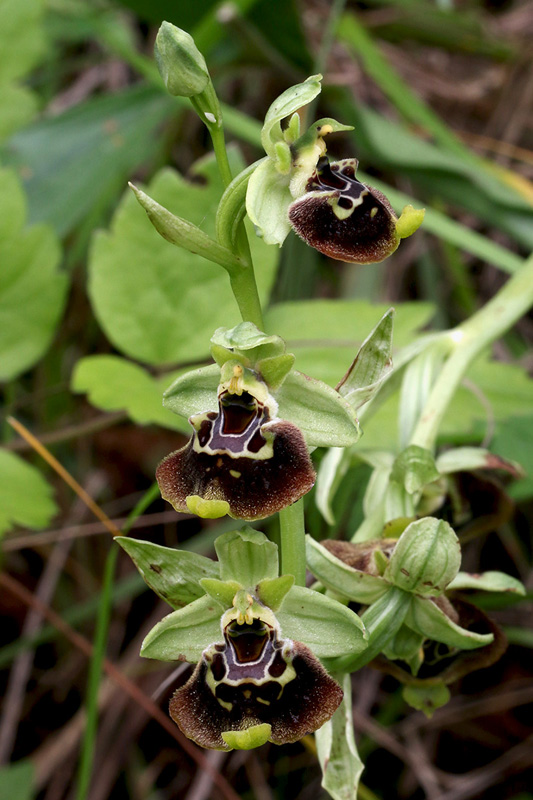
(409, 221)
(272, 591)
(221, 591)
(426, 618)
(274, 370)
(248, 738)
(207, 509)
(246, 556)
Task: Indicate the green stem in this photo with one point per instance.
(292, 540)
(99, 648)
(469, 339)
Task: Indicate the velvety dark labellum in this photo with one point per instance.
(344, 218)
(255, 678)
(239, 456)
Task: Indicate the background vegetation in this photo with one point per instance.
(98, 314)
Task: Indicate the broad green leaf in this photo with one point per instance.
(334, 574)
(426, 558)
(174, 575)
(77, 163)
(326, 626)
(323, 416)
(325, 335)
(414, 468)
(246, 556)
(158, 303)
(25, 496)
(184, 634)
(17, 780)
(371, 365)
(32, 290)
(487, 582)
(267, 202)
(114, 384)
(286, 104)
(426, 698)
(18, 106)
(426, 618)
(337, 751)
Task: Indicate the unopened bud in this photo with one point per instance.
(180, 63)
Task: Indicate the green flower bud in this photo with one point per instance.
(180, 63)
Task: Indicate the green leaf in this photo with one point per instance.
(156, 303)
(246, 556)
(371, 365)
(20, 483)
(17, 780)
(286, 104)
(426, 698)
(334, 574)
(114, 384)
(426, 618)
(325, 334)
(184, 634)
(337, 751)
(426, 558)
(267, 201)
(330, 629)
(29, 280)
(173, 575)
(76, 163)
(487, 582)
(18, 105)
(414, 468)
(323, 416)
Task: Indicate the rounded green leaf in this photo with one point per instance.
(426, 558)
(25, 496)
(184, 634)
(326, 626)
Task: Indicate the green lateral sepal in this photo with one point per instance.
(491, 581)
(426, 618)
(246, 557)
(334, 574)
(184, 634)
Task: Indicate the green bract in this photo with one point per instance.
(256, 638)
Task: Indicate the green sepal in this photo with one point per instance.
(371, 366)
(184, 634)
(246, 343)
(464, 459)
(346, 581)
(426, 558)
(179, 61)
(194, 392)
(337, 750)
(285, 105)
(487, 582)
(414, 468)
(249, 738)
(267, 201)
(329, 628)
(174, 575)
(182, 233)
(246, 556)
(272, 591)
(221, 591)
(382, 620)
(426, 698)
(323, 416)
(409, 221)
(426, 618)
